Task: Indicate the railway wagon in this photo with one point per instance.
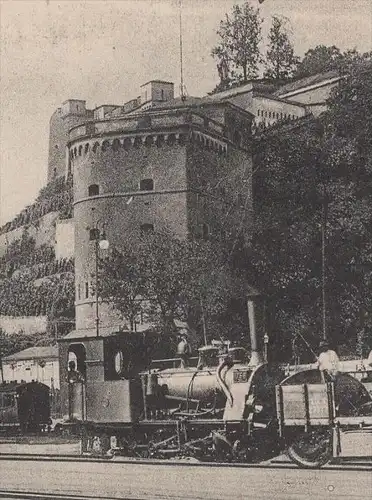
(323, 419)
(24, 407)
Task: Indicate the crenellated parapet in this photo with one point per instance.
(153, 129)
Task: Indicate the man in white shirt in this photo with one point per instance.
(328, 361)
(369, 359)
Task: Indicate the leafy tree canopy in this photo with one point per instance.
(237, 52)
(325, 58)
(280, 61)
(166, 279)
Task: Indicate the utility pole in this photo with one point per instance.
(203, 322)
(324, 275)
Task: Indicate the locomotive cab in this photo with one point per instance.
(105, 386)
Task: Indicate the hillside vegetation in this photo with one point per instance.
(32, 281)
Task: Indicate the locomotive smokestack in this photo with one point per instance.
(255, 317)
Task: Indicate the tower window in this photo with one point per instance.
(78, 292)
(146, 228)
(205, 231)
(86, 290)
(162, 94)
(146, 185)
(93, 190)
(94, 234)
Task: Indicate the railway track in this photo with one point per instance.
(34, 495)
(344, 465)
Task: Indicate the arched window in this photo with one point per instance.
(171, 139)
(116, 144)
(127, 143)
(93, 234)
(105, 146)
(93, 190)
(160, 141)
(86, 290)
(146, 228)
(146, 185)
(86, 148)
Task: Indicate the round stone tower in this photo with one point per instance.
(146, 171)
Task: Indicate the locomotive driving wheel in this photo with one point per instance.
(312, 449)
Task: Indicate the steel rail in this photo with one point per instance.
(341, 465)
(36, 495)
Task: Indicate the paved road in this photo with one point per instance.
(141, 481)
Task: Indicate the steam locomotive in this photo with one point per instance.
(220, 408)
(24, 407)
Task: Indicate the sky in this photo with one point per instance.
(103, 50)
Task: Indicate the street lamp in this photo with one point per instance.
(100, 242)
(266, 342)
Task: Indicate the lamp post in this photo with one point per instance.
(100, 242)
(266, 342)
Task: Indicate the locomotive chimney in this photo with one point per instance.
(256, 327)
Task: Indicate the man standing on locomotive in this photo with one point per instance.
(73, 375)
(328, 361)
(183, 349)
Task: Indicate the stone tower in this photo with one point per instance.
(72, 113)
(183, 165)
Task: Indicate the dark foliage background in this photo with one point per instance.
(299, 170)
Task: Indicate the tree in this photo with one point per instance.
(167, 279)
(326, 162)
(318, 60)
(121, 283)
(281, 61)
(238, 53)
